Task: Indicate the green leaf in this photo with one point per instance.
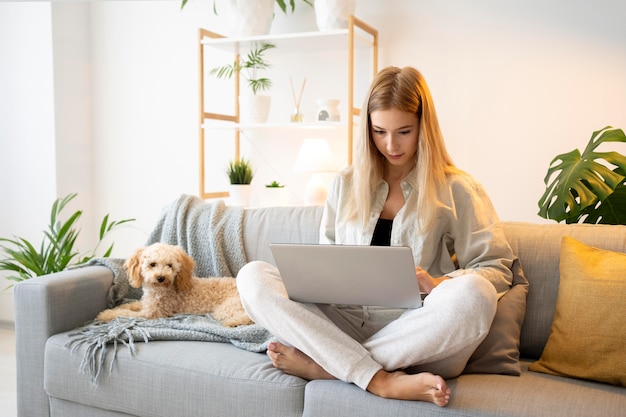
(610, 211)
(576, 183)
(57, 249)
(248, 66)
(103, 226)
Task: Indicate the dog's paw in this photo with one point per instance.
(239, 320)
(133, 306)
(106, 315)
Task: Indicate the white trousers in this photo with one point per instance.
(353, 343)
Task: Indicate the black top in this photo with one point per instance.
(382, 233)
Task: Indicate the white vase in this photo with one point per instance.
(254, 108)
(240, 194)
(333, 14)
(250, 17)
(275, 197)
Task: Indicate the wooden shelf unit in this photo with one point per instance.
(357, 32)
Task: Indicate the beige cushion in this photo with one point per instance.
(588, 336)
(499, 352)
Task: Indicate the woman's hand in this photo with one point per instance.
(426, 281)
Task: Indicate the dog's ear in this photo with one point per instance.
(133, 268)
(187, 265)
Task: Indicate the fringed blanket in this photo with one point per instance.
(96, 337)
(212, 234)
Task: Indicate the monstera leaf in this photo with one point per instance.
(588, 188)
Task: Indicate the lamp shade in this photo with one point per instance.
(315, 156)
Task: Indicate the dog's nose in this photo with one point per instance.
(161, 279)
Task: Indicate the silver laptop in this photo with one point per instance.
(347, 274)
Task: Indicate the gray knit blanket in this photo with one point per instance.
(212, 234)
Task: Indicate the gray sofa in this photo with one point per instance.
(192, 379)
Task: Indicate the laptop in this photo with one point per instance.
(348, 274)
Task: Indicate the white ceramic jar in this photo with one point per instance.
(327, 110)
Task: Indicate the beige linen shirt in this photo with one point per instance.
(467, 226)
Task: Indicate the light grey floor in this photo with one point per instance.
(8, 402)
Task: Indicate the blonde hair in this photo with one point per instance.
(403, 89)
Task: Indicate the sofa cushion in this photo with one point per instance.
(587, 336)
(499, 352)
(295, 225)
(176, 378)
(538, 247)
(530, 394)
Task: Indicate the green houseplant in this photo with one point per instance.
(253, 108)
(239, 171)
(588, 187)
(57, 249)
(275, 194)
(240, 174)
(249, 66)
(251, 17)
(274, 184)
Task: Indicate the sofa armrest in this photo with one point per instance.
(45, 306)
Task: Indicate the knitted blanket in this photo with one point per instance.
(213, 235)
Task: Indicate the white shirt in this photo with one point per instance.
(467, 226)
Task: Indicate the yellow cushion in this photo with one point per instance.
(588, 335)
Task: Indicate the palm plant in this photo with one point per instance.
(252, 63)
(56, 251)
(588, 187)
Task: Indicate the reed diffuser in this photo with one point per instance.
(296, 115)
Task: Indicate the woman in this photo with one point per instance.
(403, 190)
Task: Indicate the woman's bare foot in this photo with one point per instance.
(418, 387)
(293, 362)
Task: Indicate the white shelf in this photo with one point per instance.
(272, 126)
(298, 41)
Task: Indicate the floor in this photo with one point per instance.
(8, 402)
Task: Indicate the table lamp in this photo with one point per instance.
(315, 157)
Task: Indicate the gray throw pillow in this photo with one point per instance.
(499, 352)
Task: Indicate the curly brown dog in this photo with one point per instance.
(165, 273)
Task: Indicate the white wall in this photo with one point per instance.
(515, 83)
(27, 164)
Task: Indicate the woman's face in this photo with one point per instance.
(395, 134)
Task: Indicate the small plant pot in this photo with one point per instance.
(275, 197)
(254, 108)
(240, 194)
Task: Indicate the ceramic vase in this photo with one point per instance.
(333, 14)
(254, 108)
(250, 17)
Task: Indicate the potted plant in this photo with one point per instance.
(254, 108)
(588, 187)
(57, 249)
(333, 14)
(252, 17)
(275, 195)
(274, 184)
(240, 174)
